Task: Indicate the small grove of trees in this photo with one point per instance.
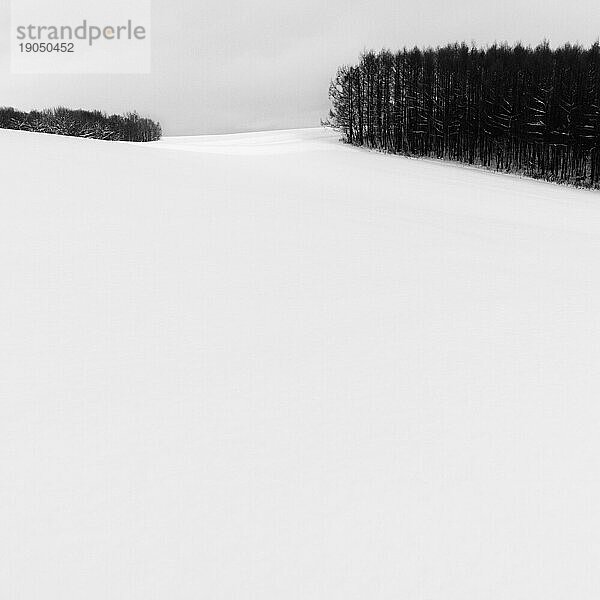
(82, 123)
(534, 111)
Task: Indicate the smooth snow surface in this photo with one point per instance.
(271, 366)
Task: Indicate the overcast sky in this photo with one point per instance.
(239, 65)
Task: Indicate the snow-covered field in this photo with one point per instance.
(271, 366)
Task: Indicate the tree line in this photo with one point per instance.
(95, 124)
(534, 111)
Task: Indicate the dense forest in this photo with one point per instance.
(534, 111)
(82, 123)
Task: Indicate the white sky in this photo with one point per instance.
(238, 65)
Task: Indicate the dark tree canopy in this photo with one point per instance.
(534, 111)
(82, 123)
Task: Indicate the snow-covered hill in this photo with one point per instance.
(273, 366)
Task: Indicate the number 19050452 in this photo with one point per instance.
(46, 47)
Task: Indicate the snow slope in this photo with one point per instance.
(272, 366)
